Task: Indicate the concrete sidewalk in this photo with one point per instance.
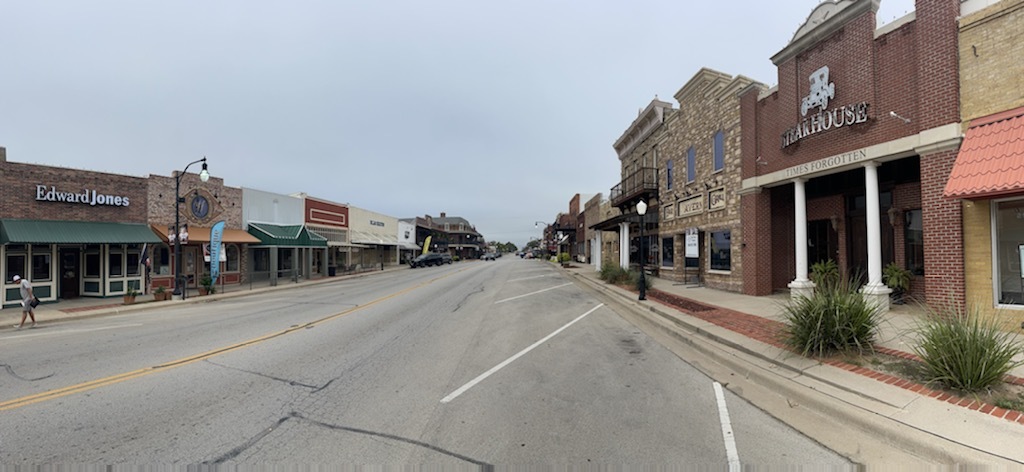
(742, 332)
(85, 307)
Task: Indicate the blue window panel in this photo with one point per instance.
(668, 174)
(719, 151)
(691, 165)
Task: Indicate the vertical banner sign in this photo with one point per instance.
(216, 234)
(426, 245)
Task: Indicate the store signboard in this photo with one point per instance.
(692, 243)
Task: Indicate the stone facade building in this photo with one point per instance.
(203, 205)
(701, 237)
(638, 150)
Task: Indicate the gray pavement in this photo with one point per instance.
(927, 423)
(930, 424)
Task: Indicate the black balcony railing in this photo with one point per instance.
(642, 183)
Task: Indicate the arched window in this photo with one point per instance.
(231, 251)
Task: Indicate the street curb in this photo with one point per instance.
(150, 305)
(913, 441)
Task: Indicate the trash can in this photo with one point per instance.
(331, 271)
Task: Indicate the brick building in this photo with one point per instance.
(988, 177)
(203, 205)
(448, 234)
(700, 233)
(846, 159)
(71, 232)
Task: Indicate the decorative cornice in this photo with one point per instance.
(649, 120)
(827, 18)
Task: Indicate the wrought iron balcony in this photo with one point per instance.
(640, 184)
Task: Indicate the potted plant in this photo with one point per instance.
(129, 296)
(160, 293)
(206, 285)
(898, 279)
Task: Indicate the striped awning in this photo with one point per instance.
(286, 235)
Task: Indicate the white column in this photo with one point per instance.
(595, 251)
(875, 290)
(801, 286)
(624, 245)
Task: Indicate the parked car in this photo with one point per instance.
(446, 258)
(489, 256)
(428, 259)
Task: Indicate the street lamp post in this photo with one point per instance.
(204, 176)
(641, 209)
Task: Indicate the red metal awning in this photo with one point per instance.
(991, 158)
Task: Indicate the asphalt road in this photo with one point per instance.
(476, 363)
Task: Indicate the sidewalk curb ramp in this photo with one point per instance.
(862, 424)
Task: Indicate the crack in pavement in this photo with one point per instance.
(470, 294)
(293, 383)
(233, 453)
(10, 370)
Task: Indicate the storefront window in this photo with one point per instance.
(231, 251)
(721, 250)
(163, 260)
(92, 261)
(913, 235)
(667, 252)
(1010, 251)
(115, 261)
(133, 258)
(16, 259)
(41, 263)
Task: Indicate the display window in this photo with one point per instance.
(1008, 235)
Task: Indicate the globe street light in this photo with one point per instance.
(204, 176)
(641, 209)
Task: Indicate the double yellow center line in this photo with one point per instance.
(94, 384)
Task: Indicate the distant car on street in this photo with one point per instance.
(428, 259)
(489, 256)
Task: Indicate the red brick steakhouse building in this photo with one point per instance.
(846, 159)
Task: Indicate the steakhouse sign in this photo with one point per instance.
(821, 91)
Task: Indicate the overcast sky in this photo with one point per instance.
(496, 111)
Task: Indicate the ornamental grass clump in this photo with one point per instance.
(963, 351)
(837, 318)
(634, 277)
(614, 274)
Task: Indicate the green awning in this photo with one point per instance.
(286, 235)
(74, 232)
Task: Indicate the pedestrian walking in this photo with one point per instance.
(27, 310)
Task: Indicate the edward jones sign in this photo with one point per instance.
(86, 197)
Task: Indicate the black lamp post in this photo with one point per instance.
(641, 209)
(204, 175)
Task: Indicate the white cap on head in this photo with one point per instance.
(17, 278)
